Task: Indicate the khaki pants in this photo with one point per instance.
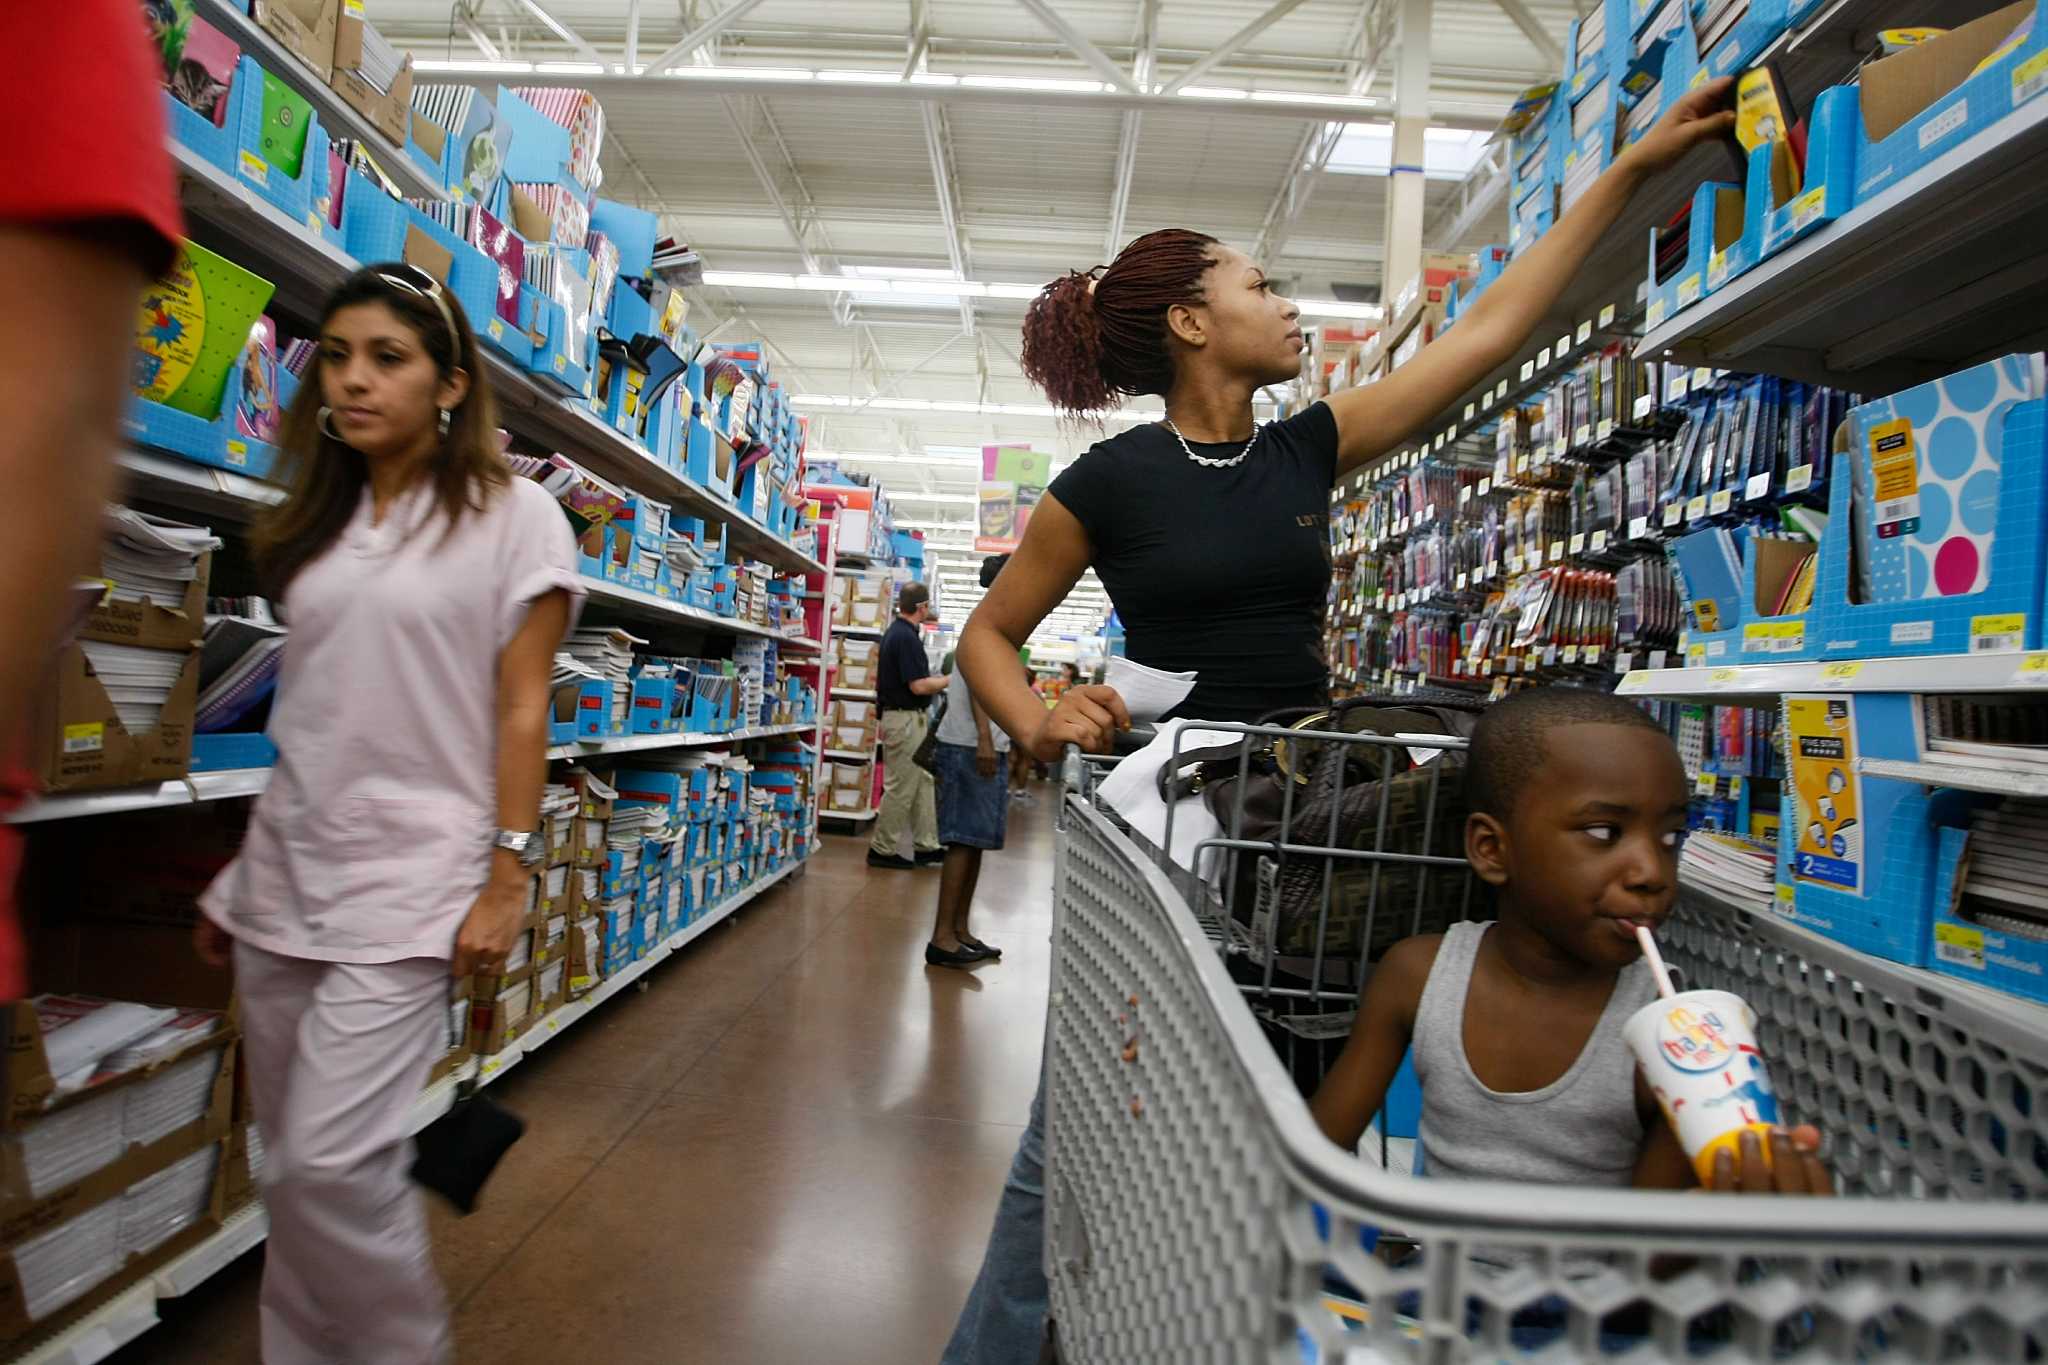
(907, 804)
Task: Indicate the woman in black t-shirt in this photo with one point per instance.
(1210, 531)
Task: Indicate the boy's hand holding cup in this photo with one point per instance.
(1698, 1054)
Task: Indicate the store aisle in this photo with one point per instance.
(786, 1149)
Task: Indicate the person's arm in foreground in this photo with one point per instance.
(1356, 1086)
(1047, 564)
(71, 303)
(525, 667)
(1374, 419)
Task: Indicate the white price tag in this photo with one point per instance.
(1543, 359)
(1585, 332)
(1428, 515)
(1723, 499)
(1582, 434)
(1607, 316)
(1514, 563)
(1799, 479)
(1528, 368)
(1471, 411)
(1679, 387)
(1657, 658)
(1559, 448)
(1702, 376)
(1674, 513)
(1461, 582)
(1578, 543)
(1597, 542)
(1695, 508)
(1485, 487)
(1492, 568)
(1638, 527)
(1564, 343)
(1644, 403)
(1465, 495)
(1624, 662)
(1549, 656)
(1604, 430)
(1571, 654)
(1759, 486)
(1556, 551)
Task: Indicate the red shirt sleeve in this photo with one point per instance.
(85, 121)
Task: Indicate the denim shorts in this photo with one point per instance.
(972, 808)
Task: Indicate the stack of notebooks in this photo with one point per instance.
(564, 280)
(238, 668)
(589, 501)
(482, 230)
(608, 653)
(568, 215)
(684, 558)
(381, 61)
(1743, 870)
(1716, 19)
(676, 263)
(149, 559)
(1592, 33)
(583, 116)
(480, 139)
(2004, 885)
(558, 805)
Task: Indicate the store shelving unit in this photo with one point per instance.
(850, 755)
(305, 268)
(857, 693)
(627, 744)
(190, 791)
(134, 1311)
(861, 632)
(336, 115)
(1762, 684)
(1962, 776)
(1934, 273)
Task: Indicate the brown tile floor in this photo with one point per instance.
(785, 1149)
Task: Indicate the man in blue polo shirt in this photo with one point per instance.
(905, 686)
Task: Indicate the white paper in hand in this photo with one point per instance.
(1148, 693)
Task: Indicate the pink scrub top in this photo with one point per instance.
(374, 837)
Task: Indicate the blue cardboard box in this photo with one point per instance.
(1969, 951)
(1777, 216)
(2005, 612)
(1839, 820)
(1921, 103)
(594, 708)
(1717, 250)
(222, 752)
(214, 442)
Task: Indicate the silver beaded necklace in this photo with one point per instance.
(1208, 462)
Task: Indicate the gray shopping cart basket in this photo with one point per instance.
(1195, 1213)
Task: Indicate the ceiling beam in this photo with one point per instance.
(1484, 186)
(1127, 141)
(560, 29)
(937, 146)
(1077, 40)
(702, 34)
(1233, 44)
(1553, 55)
(1370, 34)
(1335, 106)
(920, 38)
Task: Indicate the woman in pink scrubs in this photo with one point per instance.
(426, 590)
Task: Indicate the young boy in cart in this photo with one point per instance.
(1578, 808)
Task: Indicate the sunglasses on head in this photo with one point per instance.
(410, 279)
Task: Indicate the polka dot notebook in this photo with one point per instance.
(1925, 466)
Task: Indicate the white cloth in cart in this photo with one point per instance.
(1132, 791)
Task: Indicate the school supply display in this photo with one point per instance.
(151, 559)
(287, 115)
(192, 327)
(239, 661)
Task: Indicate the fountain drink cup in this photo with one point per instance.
(1699, 1055)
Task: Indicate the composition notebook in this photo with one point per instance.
(1924, 467)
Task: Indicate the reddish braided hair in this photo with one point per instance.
(1085, 348)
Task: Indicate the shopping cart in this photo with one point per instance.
(1195, 1213)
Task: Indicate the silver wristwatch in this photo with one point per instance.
(524, 845)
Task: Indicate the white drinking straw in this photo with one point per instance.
(1656, 960)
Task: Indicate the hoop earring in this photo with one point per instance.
(327, 428)
(445, 419)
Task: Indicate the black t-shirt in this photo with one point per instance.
(1224, 571)
(902, 664)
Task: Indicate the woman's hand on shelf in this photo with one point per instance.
(1703, 113)
(1089, 716)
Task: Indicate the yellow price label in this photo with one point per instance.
(255, 168)
(1634, 678)
(87, 738)
(1840, 674)
(1722, 677)
(1734, 789)
(2033, 671)
(1705, 785)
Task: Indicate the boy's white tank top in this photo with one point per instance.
(1581, 1129)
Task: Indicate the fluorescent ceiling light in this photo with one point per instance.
(938, 287)
(472, 68)
(861, 77)
(1034, 83)
(570, 68)
(741, 73)
(826, 400)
